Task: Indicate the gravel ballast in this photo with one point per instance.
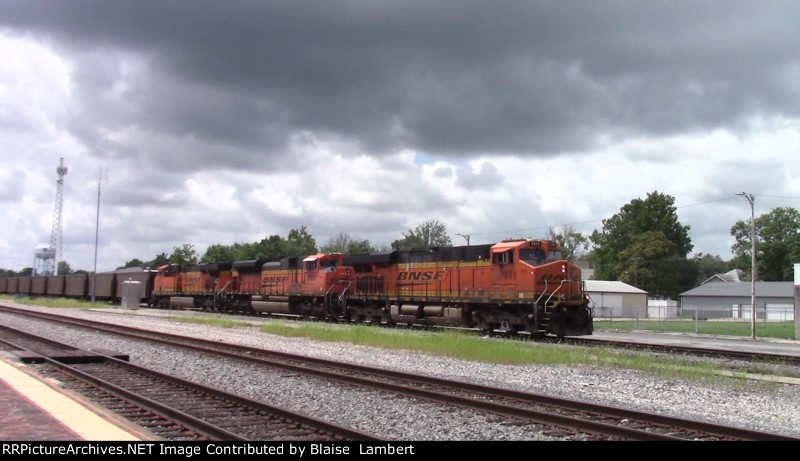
(770, 407)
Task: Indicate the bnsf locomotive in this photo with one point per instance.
(515, 285)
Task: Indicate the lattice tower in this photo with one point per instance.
(55, 234)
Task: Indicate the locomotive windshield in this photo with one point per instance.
(537, 256)
(532, 256)
(328, 263)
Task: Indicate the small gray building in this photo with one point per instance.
(616, 299)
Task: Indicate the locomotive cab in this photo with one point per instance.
(535, 274)
(168, 280)
(168, 288)
(325, 283)
(325, 273)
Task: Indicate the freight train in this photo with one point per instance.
(521, 285)
(106, 287)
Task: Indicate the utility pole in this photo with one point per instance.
(750, 199)
(97, 232)
(466, 237)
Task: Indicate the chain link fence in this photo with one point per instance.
(771, 320)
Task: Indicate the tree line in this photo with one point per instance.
(427, 234)
(644, 245)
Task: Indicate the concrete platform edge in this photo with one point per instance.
(79, 415)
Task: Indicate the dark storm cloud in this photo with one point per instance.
(443, 77)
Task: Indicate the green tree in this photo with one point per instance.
(650, 263)
(218, 253)
(777, 244)
(428, 234)
(63, 268)
(708, 265)
(272, 247)
(135, 262)
(299, 242)
(654, 216)
(360, 247)
(160, 260)
(343, 243)
(185, 254)
(573, 244)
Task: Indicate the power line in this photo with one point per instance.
(705, 203)
(778, 196)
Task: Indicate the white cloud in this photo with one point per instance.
(378, 198)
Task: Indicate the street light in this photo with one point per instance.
(750, 199)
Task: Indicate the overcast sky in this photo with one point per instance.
(228, 121)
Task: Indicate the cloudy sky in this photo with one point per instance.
(227, 121)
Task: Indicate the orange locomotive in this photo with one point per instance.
(515, 285)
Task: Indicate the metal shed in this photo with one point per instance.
(616, 299)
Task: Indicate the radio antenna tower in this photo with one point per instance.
(55, 234)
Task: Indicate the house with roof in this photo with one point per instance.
(718, 298)
(736, 275)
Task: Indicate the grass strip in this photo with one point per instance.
(66, 303)
(781, 330)
(213, 321)
(492, 350)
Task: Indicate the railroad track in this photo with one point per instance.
(566, 417)
(588, 342)
(172, 408)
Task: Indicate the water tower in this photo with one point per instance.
(44, 259)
